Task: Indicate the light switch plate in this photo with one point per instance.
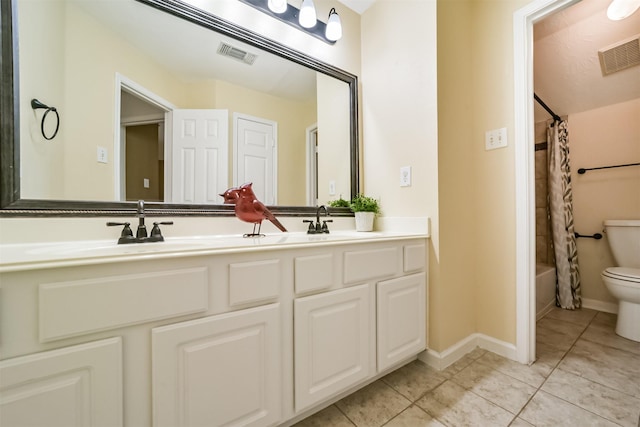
(496, 138)
(332, 188)
(102, 155)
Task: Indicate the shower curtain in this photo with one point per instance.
(561, 216)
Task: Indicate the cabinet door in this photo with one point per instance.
(332, 335)
(222, 370)
(73, 386)
(401, 319)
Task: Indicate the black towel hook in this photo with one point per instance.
(35, 104)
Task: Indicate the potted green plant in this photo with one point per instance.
(340, 203)
(365, 209)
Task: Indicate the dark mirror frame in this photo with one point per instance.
(12, 205)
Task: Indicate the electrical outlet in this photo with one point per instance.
(332, 188)
(102, 155)
(496, 138)
(145, 182)
(405, 176)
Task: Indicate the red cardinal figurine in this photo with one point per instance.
(249, 208)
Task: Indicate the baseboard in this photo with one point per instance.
(606, 306)
(441, 360)
(546, 310)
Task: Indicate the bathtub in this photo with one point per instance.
(545, 289)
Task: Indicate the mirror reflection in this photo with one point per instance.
(154, 107)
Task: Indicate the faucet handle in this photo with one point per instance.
(312, 228)
(156, 234)
(325, 228)
(126, 235)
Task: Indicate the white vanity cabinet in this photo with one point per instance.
(75, 386)
(332, 335)
(257, 337)
(222, 370)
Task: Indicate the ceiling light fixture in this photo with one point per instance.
(621, 9)
(277, 6)
(304, 19)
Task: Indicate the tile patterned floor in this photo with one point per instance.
(585, 375)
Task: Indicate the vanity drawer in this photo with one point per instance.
(360, 266)
(254, 281)
(414, 257)
(82, 306)
(314, 272)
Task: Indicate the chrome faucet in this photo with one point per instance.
(317, 228)
(141, 234)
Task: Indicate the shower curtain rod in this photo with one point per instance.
(554, 115)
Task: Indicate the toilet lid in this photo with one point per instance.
(623, 273)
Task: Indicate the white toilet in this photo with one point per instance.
(624, 281)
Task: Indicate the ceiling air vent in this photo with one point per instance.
(235, 53)
(620, 56)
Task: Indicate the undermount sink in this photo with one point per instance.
(103, 247)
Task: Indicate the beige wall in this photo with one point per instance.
(334, 156)
(475, 283)
(292, 118)
(399, 110)
(43, 175)
(602, 137)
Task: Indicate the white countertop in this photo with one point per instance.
(31, 256)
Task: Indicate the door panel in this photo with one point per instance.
(200, 155)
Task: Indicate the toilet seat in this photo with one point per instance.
(626, 274)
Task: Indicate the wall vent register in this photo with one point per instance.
(620, 56)
(238, 54)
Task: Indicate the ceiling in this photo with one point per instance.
(567, 74)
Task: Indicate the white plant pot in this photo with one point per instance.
(364, 221)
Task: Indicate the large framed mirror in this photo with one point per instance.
(162, 101)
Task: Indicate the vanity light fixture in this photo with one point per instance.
(304, 19)
(621, 9)
(277, 6)
(334, 26)
(308, 18)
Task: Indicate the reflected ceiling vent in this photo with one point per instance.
(237, 54)
(622, 55)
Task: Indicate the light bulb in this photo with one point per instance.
(620, 9)
(307, 14)
(277, 6)
(334, 26)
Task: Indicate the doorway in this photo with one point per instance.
(523, 21)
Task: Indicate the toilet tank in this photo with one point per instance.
(624, 241)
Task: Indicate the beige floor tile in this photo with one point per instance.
(617, 369)
(533, 375)
(570, 329)
(452, 405)
(551, 337)
(547, 358)
(581, 316)
(546, 410)
(330, 416)
(604, 401)
(463, 362)
(519, 422)
(414, 380)
(373, 405)
(602, 331)
(501, 389)
(413, 416)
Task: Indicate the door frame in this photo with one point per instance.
(524, 126)
(124, 83)
(312, 164)
(274, 125)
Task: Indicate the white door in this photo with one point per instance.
(332, 335)
(199, 160)
(255, 155)
(73, 386)
(401, 319)
(222, 370)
